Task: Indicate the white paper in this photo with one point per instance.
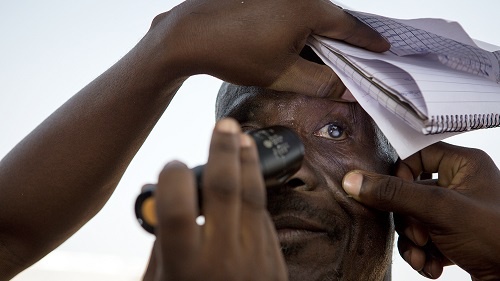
(420, 62)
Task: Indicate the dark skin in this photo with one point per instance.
(323, 234)
(445, 221)
(237, 241)
(355, 242)
(437, 222)
(70, 164)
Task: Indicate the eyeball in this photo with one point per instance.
(332, 131)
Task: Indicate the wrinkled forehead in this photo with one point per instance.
(240, 101)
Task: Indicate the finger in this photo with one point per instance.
(426, 160)
(442, 158)
(176, 210)
(427, 260)
(333, 22)
(404, 171)
(258, 233)
(412, 229)
(253, 197)
(221, 186)
(411, 253)
(433, 267)
(317, 80)
(406, 198)
(309, 78)
(149, 274)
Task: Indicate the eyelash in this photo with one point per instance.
(327, 130)
(246, 129)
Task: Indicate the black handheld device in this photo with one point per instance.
(280, 153)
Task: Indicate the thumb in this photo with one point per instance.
(309, 78)
(394, 194)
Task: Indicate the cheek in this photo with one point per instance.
(371, 160)
(369, 153)
(334, 160)
(341, 158)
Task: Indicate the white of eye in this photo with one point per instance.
(331, 131)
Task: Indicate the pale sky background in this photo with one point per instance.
(51, 49)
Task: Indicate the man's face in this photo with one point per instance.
(324, 234)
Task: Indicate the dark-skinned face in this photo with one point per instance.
(324, 235)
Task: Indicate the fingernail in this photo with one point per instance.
(347, 96)
(227, 126)
(352, 183)
(245, 140)
(175, 164)
(426, 274)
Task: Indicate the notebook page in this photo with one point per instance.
(450, 94)
(436, 90)
(449, 29)
(407, 40)
(393, 88)
(398, 81)
(401, 135)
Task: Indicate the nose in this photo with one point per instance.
(302, 180)
(295, 183)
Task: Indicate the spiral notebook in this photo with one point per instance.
(431, 83)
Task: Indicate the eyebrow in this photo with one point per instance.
(351, 109)
(243, 111)
(328, 113)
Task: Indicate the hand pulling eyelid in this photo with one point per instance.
(280, 153)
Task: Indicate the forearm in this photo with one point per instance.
(69, 166)
(62, 173)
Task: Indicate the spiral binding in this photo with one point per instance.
(460, 123)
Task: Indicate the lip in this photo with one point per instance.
(294, 229)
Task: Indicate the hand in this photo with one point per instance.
(238, 240)
(455, 219)
(257, 42)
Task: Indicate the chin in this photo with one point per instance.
(321, 257)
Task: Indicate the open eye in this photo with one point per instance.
(331, 131)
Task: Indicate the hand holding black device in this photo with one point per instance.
(280, 152)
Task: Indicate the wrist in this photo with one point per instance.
(169, 51)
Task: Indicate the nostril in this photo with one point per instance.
(295, 182)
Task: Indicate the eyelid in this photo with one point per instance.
(245, 127)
